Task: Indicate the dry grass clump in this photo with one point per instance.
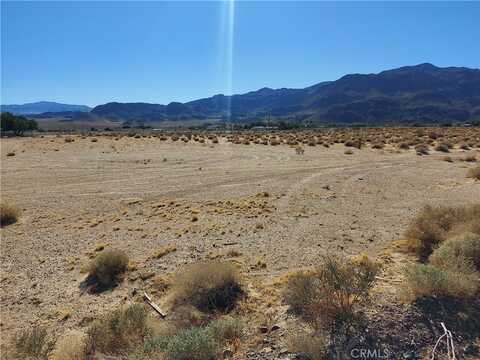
(106, 269)
(164, 250)
(118, 331)
(474, 173)
(209, 286)
(72, 346)
(34, 343)
(309, 347)
(9, 214)
(378, 145)
(433, 225)
(470, 158)
(331, 296)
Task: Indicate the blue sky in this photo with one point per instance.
(96, 52)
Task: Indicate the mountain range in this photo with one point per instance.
(42, 107)
(422, 93)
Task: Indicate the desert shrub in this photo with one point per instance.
(425, 280)
(474, 173)
(8, 214)
(34, 343)
(470, 158)
(434, 225)
(464, 146)
(197, 343)
(421, 149)
(118, 331)
(107, 267)
(461, 253)
(348, 152)
(331, 295)
(309, 347)
(442, 148)
(209, 286)
(404, 146)
(447, 159)
(186, 316)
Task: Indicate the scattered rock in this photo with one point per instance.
(263, 329)
(275, 327)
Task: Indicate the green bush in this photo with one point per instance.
(17, 124)
(433, 225)
(197, 343)
(107, 267)
(119, 331)
(331, 296)
(427, 280)
(209, 286)
(461, 253)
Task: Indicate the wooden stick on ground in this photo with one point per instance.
(154, 306)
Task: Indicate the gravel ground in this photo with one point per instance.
(276, 209)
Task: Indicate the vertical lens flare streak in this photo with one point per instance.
(229, 54)
(225, 54)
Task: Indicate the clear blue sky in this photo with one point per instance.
(95, 52)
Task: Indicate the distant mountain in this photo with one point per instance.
(412, 94)
(421, 93)
(42, 107)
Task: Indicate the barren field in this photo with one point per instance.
(266, 208)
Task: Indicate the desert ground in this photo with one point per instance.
(266, 208)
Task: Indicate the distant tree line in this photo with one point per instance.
(17, 124)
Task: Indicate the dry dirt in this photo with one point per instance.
(277, 210)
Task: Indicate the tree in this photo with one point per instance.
(17, 124)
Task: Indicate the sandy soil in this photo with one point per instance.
(276, 209)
